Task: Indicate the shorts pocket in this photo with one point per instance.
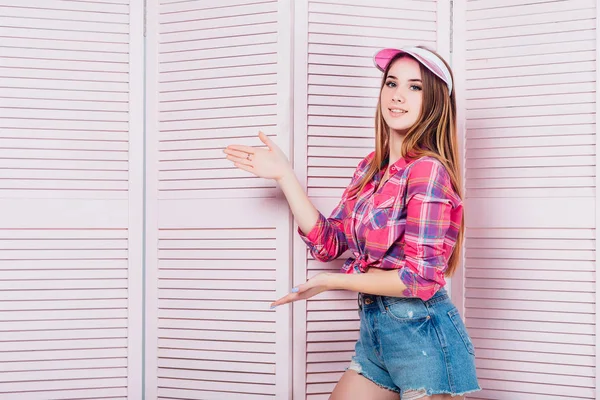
(462, 329)
(408, 310)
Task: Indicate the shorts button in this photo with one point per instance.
(368, 301)
(428, 317)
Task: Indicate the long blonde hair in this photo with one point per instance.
(433, 134)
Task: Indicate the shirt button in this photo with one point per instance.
(393, 168)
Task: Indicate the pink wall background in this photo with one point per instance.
(136, 263)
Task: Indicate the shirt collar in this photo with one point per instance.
(398, 165)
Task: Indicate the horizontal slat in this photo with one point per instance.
(402, 5)
(63, 334)
(232, 254)
(362, 10)
(216, 355)
(346, 27)
(168, 22)
(169, 393)
(175, 6)
(64, 324)
(31, 315)
(541, 337)
(20, 387)
(58, 254)
(210, 113)
(529, 9)
(68, 345)
(220, 376)
(63, 284)
(214, 365)
(38, 21)
(248, 122)
(259, 316)
(167, 109)
(536, 18)
(539, 389)
(27, 82)
(42, 43)
(232, 243)
(74, 354)
(222, 264)
(61, 375)
(224, 325)
(118, 393)
(217, 345)
(527, 285)
(525, 40)
(531, 29)
(33, 10)
(250, 275)
(215, 294)
(533, 244)
(111, 363)
(63, 305)
(536, 367)
(202, 39)
(247, 337)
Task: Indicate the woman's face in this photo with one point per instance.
(402, 95)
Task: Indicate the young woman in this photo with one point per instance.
(402, 219)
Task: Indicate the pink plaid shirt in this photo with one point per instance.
(410, 224)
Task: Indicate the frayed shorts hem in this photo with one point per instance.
(414, 394)
(427, 393)
(356, 367)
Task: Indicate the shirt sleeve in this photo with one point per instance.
(327, 240)
(429, 209)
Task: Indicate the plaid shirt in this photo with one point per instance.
(410, 224)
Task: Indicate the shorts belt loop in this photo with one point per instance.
(380, 304)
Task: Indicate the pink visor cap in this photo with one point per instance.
(425, 57)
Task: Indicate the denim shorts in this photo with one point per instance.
(413, 347)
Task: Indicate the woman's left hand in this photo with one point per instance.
(318, 284)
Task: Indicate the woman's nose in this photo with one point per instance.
(398, 97)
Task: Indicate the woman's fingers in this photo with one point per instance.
(265, 139)
(240, 148)
(237, 153)
(286, 299)
(244, 167)
(307, 294)
(242, 160)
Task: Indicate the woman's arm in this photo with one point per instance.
(384, 283)
(324, 236)
(273, 164)
(305, 213)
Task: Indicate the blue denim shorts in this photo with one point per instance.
(413, 347)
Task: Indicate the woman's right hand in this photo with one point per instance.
(268, 163)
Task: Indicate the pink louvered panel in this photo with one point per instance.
(530, 72)
(64, 99)
(222, 252)
(342, 90)
(218, 85)
(65, 111)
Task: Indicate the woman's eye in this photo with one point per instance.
(416, 87)
(390, 84)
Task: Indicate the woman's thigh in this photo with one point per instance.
(442, 397)
(353, 386)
